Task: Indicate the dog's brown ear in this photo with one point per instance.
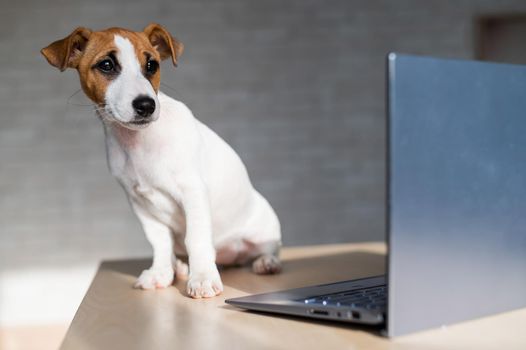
(66, 53)
(163, 42)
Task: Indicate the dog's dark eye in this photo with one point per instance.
(106, 66)
(151, 66)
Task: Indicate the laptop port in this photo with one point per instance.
(355, 315)
(319, 312)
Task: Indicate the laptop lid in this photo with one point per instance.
(456, 191)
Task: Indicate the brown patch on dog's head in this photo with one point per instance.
(89, 51)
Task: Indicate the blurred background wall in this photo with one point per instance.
(296, 87)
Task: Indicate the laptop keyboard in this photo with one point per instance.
(373, 298)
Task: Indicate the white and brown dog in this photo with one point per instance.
(189, 189)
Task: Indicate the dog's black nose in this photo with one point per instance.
(144, 106)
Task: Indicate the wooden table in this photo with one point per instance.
(115, 316)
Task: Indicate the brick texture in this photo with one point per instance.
(296, 87)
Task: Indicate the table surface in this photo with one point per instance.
(113, 315)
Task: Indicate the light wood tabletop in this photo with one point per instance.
(115, 316)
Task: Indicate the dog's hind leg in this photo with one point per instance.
(268, 262)
(264, 256)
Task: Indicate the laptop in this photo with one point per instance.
(455, 204)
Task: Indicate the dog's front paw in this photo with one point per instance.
(155, 278)
(205, 284)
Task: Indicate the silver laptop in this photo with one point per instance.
(456, 204)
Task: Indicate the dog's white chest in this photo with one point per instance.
(160, 202)
(147, 185)
(156, 202)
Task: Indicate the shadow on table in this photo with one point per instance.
(298, 272)
(307, 271)
(132, 267)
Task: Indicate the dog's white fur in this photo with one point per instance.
(189, 189)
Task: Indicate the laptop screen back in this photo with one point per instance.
(456, 191)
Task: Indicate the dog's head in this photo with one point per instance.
(118, 69)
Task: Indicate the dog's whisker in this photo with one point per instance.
(80, 104)
(104, 114)
(173, 89)
(68, 101)
(99, 109)
(73, 94)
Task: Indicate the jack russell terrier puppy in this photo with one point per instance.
(189, 189)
